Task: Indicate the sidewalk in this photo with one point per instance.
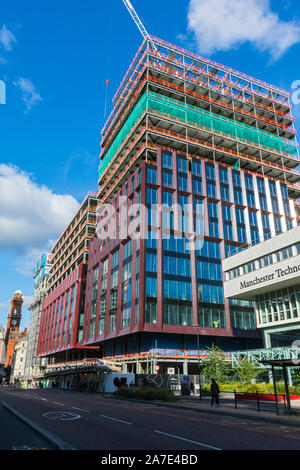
(227, 408)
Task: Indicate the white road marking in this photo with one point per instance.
(55, 403)
(115, 419)
(80, 409)
(187, 440)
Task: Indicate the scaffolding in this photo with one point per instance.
(200, 118)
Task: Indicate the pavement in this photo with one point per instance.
(245, 409)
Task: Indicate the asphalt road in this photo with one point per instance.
(91, 422)
(16, 435)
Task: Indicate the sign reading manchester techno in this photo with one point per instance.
(277, 274)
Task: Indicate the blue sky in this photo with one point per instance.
(55, 58)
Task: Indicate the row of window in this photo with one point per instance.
(264, 261)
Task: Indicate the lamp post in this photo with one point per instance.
(198, 346)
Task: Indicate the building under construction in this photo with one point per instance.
(187, 131)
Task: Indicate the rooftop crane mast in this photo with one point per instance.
(139, 24)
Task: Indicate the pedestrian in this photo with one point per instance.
(214, 390)
(132, 384)
(192, 387)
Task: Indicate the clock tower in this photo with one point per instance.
(13, 325)
(15, 314)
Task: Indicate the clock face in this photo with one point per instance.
(14, 322)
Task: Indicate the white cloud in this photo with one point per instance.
(7, 38)
(30, 96)
(30, 215)
(220, 25)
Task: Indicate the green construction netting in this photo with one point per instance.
(199, 117)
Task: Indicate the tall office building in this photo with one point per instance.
(34, 366)
(187, 131)
(61, 324)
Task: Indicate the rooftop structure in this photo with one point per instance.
(176, 100)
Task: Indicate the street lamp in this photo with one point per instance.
(198, 345)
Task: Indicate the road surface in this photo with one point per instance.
(92, 422)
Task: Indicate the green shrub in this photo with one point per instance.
(253, 388)
(147, 393)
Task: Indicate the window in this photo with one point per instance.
(197, 187)
(249, 182)
(213, 229)
(151, 196)
(277, 222)
(151, 286)
(196, 167)
(212, 210)
(275, 205)
(210, 172)
(181, 165)
(167, 160)
(240, 216)
(250, 199)
(236, 177)
(182, 183)
(211, 190)
(223, 175)
(265, 221)
(151, 175)
(261, 185)
(151, 262)
(151, 312)
(254, 236)
(167, 198)
(242, 237)
(263, 202)
(252, 218)
(228, 232)
(226, 213)
(225, 193)
(178, 315)
(238, 197)
(272, 186)
(167, 179)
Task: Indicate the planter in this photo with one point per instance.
(264, 397)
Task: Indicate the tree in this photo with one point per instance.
(246, 370)
(215, 366)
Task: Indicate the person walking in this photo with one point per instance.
(214, 390)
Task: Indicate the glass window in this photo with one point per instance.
(182, 183)
(249, 182)
(238, 197)
(197, 186)
(151, 196)
(151, 175)
(226, 213)
(252, 218)
(223, 175)
(167, 179)
(250, 199)
(182, 165)
(210, 172)
(263, 202)
(225, 193)
(211, 190)
(214, 229)
(236, 177)
(240, 216)
(167, 160)
(196, 167)
(213, 210)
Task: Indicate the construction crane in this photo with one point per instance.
(139, 24)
